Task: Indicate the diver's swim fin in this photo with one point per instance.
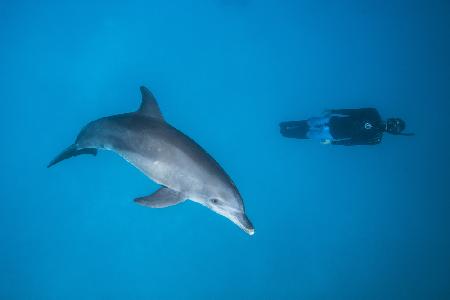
(295, 129)
(70, 152)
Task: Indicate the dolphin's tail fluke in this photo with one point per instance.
(71, 151)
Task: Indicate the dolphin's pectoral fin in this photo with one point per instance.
(70, 152)
(163, 197)
(149, 107)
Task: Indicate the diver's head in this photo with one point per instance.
(395, 126)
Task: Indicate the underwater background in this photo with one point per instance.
(366, 222)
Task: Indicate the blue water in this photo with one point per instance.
(331, 222)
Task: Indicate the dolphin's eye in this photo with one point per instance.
(214, 200)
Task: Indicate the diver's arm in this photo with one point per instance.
(372, 114)
(357, 112)
(346, 112)
(357, 141)
(374, 142)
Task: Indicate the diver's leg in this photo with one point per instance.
(314, 133)
(326, 137)
(318, 121)
(320, 132)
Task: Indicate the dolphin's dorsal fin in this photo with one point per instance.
(149, 107)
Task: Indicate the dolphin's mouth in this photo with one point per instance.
(250, 231)
(244, 223)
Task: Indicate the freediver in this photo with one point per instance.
(348, 127)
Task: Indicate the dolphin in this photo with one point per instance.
(167, 156)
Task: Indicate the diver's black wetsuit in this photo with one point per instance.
(348, 127)
(362, 126)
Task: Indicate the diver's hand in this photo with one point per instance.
(325, 142)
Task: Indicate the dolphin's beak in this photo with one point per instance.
(244, 223)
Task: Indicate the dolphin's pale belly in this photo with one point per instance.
(166, 172)
(171, 159)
